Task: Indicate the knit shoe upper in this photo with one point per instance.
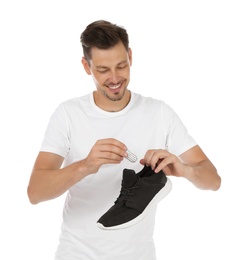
(138, 193)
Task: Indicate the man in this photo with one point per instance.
(85, 147)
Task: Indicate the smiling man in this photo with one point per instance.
(110, 70)
(86, 144)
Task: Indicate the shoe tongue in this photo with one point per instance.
(129, 178)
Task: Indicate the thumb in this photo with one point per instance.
(142, 161)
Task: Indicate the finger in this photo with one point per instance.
(156, 160)
(110, 150)
(112, 141)
(142, 161)
(110, 156)
(164, 162)
(147, 158)
(154, 157)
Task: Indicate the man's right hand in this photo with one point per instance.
(105, 151)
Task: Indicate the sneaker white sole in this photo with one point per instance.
(159, 196)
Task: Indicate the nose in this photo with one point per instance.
(114, 76)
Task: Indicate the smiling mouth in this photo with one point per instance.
(115, 86)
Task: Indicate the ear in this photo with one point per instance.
(130, 56)
(86, 65)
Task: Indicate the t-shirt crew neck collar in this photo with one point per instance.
(107, 113)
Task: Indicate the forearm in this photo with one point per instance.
(203, 175)
(48, 180)
(46, 184)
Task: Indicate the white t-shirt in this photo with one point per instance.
(145, 123)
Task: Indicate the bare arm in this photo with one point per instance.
(48, 180)
(192, 165)
(200, 170)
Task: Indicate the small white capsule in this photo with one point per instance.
(131, 156)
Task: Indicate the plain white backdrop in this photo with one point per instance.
(184, 52)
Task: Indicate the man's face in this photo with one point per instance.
(110, 70)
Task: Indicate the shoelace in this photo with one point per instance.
(125, 193)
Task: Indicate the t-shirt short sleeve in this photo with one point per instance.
(178, 139)
(56, 138)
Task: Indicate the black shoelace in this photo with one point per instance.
(125, 193)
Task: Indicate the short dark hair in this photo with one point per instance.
(103, 35)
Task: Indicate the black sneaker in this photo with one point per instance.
(138, 194)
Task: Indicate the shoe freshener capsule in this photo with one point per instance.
(131, 156)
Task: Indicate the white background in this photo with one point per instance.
(184, 52)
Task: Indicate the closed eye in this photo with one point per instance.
(122, 67)
(103, 71)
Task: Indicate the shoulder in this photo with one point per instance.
(73, 104)
(76, 101)
(149, 102)
(154, 107)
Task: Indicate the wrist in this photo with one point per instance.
(79, 170)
